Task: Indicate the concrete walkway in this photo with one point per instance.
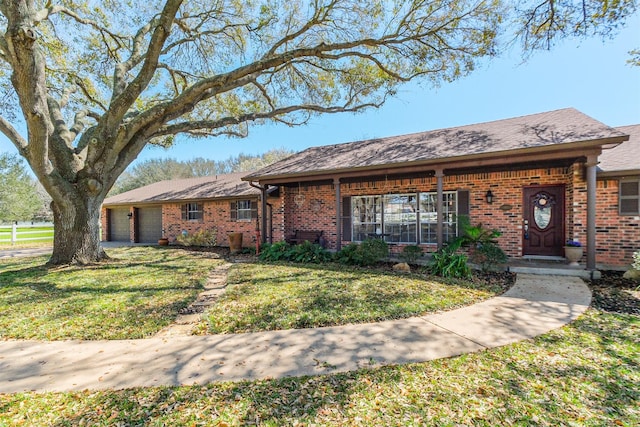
(24, 252)
(535, 305)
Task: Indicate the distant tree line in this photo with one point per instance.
(22, 198)
(155, 170)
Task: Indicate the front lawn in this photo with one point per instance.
(263, 297)
(584, 374)
(134, 295)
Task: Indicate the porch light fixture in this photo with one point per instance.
(489, 196)
(130, 214)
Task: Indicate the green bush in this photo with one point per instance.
(411, 253)
(475, 235)
(275, 252)
(373, 251)
(304, 253)
(308, 252)
(349, 255)
(199, 238)
(482, 243)
(487, 255)
(447, 263)
(366, 253)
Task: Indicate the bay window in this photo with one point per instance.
(403, 218)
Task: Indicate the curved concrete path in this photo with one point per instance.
(533, 306)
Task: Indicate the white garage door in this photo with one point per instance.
(119, 225)
(149, 224)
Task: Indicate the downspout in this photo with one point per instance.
(336, 183)
(439, 208)
(270, 222)
(592, 162)
(263, 208)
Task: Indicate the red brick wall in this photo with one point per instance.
(617, 236)
(317, 210)
(104, 225)
(311, 207)
(277, 217)
(215, 215)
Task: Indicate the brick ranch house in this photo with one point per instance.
(540, 179)
(168, 208)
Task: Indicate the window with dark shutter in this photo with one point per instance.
(244, 210)
(192, 212)
(254, 209)
(629, 197)
(463, 209)
(346, 219)
(233, 209)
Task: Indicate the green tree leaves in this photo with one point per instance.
(19, 198)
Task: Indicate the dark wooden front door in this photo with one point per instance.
(543, 216)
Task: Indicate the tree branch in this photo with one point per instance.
(203, 125)
(44, 14)
(122, 101)
(12, 134)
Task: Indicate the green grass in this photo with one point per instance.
(584, 374)
(281, 296)
(136, 294)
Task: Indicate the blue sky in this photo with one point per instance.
(589, 75)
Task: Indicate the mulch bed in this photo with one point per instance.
(613, 293)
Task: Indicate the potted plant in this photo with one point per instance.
(573, 251)
(163, 241)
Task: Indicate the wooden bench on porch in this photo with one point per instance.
(301, 236)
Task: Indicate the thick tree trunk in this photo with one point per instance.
(76, 222)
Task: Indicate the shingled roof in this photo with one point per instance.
(625, 158)
(492, 139)
(210, 187)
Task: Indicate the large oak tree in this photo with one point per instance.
(94, 82)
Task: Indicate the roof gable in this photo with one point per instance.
(203, 188)
(552, 128)
(624, 157)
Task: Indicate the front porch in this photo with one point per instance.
(552, 267)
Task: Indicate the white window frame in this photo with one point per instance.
(243, 210)
(378, 219)
(366, 217)
(194, 212)
(429, 218)
(400, 216)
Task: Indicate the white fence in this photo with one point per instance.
(25, 233)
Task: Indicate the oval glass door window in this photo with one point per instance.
(542, 216)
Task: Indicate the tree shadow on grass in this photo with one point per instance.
(114, 297)
(334, 296)
(547, 381)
